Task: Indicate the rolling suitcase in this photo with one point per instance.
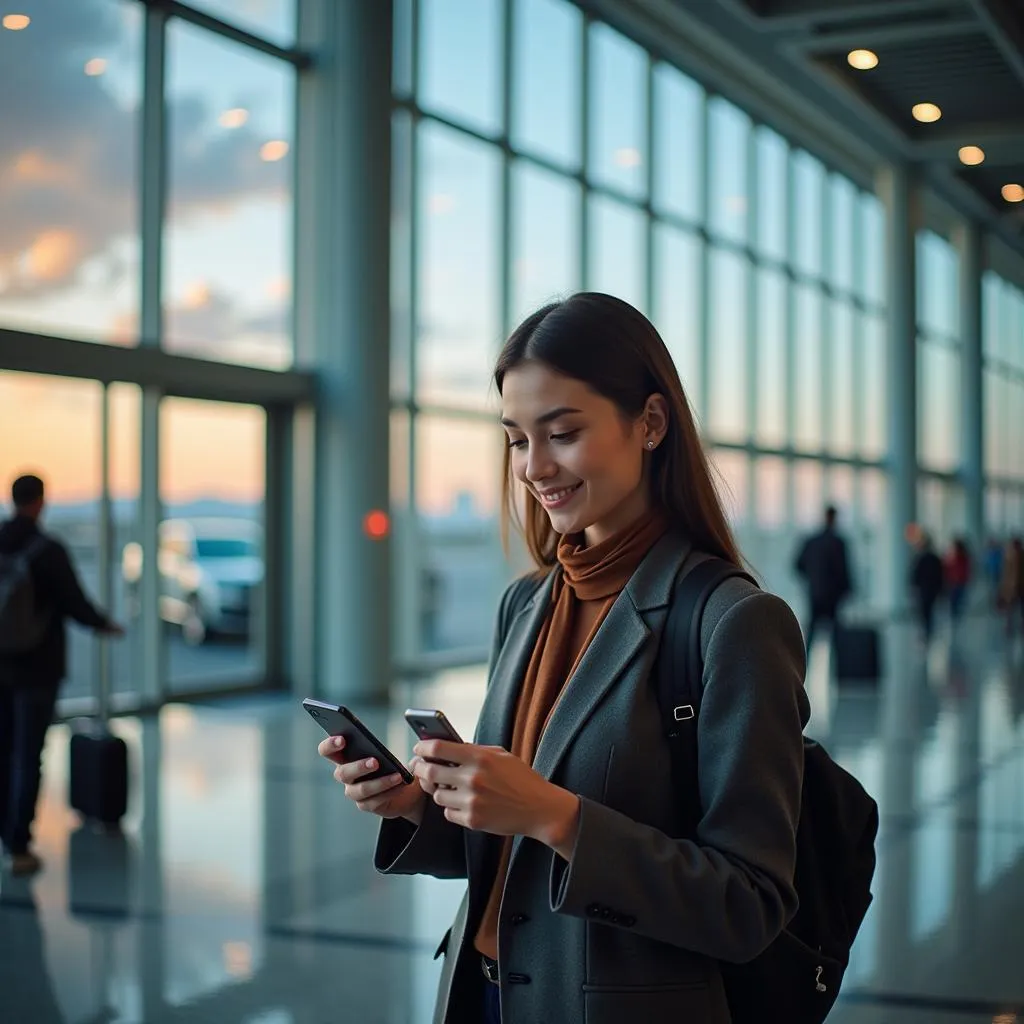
(99, 774)
(856, 653)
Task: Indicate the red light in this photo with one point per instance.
(376, 524)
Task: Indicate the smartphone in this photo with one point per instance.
(430, 724)
(360, 743)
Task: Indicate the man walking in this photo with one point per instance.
(39, 589)
(823, 564)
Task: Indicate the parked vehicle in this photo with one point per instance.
(210, 572)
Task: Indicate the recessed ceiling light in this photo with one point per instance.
(926, 112)
(1013, 193)
(972, 155)
(16, 22)
(95, 67)
(862, 60)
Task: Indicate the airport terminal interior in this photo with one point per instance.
(257, 258)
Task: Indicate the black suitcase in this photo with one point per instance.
(99, 774)
(856, 653)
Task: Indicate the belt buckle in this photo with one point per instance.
(490, 969)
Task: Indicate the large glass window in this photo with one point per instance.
(69, 142)
(211, 547)
(809, 382)
(809, 179)
(460, 568)
(678, 143)
(772, 359)
(458, 326)
(772, 194)
(227, 243)
(616, 262)
(844, 380)
(272, 19)
(618, 111)
(729, 132)
(677, 302)
(545, 237)
(842, 205)
(460, 61)
(874, 375)
(546, 96)
(727, 403)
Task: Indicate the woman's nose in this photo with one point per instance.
(539, 465)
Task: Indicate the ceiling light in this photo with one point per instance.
(16, 22)
(972, 155)
(862, 60)
(234, 118)
(1013, 193)
(926, 112)
(274, 150)
(95, 67)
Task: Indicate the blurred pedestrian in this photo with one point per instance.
(1011, 587)
(926, 580)
(958, 577)
(825, 568)
(39, 589)
(994, 569)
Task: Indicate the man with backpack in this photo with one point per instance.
(39, 589)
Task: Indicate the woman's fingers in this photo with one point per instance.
(332, 748)
(359, 791)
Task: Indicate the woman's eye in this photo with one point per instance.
(513, 443)
(567, 436)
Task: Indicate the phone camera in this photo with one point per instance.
(315, 713)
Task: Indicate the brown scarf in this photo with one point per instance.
(581, 596)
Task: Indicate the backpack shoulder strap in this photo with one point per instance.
(680, 671)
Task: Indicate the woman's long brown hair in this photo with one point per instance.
(614, 349)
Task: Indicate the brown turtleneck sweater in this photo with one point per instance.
(581, 596)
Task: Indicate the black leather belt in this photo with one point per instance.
(490, 969)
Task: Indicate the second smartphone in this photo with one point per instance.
(431, 724)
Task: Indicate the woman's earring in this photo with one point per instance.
(650, 444)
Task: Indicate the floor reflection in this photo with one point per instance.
(242, 888)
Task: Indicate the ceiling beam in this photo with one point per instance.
(885, 35)
(767, 13)
(1005, 30)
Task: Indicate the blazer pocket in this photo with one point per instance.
(653, 1004)
(442, 946)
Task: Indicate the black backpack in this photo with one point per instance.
(798, 976)
(22, 624)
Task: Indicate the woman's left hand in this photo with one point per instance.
(491, 790)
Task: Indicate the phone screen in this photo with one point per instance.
(431, 724)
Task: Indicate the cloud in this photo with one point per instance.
(69, 148)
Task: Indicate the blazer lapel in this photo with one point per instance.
(494, 727)
(616, 645)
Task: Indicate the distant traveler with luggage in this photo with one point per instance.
(39, 589)
(927, 580)
(630, 815)
(825, 568)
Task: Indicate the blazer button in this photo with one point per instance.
(519, 918)
(519, 979)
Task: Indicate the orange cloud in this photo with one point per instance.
(53, 255)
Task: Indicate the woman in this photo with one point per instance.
(581, 903)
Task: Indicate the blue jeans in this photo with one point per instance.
(25, 716)
(492, 1003)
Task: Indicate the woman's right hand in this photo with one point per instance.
(388, 796)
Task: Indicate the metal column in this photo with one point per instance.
(343, 191)
(896, 190)
(972, 455)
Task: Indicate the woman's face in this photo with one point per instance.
(574, 451)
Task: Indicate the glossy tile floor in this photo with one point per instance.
(242, 889)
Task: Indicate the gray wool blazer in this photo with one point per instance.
(632, 928)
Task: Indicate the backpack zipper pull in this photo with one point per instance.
(817, 980)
